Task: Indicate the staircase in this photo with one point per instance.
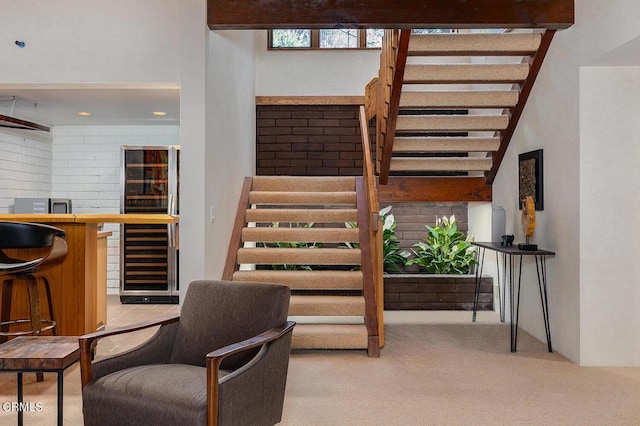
(292, 231)
(447, 104)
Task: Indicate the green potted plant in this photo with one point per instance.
(446, 250)
(394, 258)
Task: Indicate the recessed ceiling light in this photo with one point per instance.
(84, 113)
(159, 113)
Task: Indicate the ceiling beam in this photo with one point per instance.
(16, 123)
(273, 14)
(434, 189)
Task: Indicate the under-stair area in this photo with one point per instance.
(447, 104)
(307, 233)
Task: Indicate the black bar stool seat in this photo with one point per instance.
(19, 235)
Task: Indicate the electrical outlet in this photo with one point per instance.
(212, 214)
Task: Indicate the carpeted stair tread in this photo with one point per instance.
(445, 144)
(302, 215)
(474, 44)
(303, 198)
(303, 184)
(465, 73)
(299, 256)
(418, 164)
(311, 305)
(329, 336)
(299, 234)
(444, 123)
(305, 280)
(459, 99)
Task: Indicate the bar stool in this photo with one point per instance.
(19, 235)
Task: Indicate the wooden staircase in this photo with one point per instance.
(447, 104)
(326, 264)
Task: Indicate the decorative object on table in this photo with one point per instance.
(507, 240)
(498, 223)
(446, 250)
(528, 223)
(530, 178)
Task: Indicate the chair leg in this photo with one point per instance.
(50, 303)
(34, 311)
(7, 295)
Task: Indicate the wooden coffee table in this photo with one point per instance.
(27, 354)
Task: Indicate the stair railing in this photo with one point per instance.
(370, 243)
(235, 243)
(393, 60)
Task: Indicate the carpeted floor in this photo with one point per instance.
(437, 370)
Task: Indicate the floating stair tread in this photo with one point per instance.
(302, 198)
(301, 215)
(298, 234)
(300, 256)
(445, 144)
(465, 73)
(321, 336)
(474, 44)
(305, 280)
(407, 164)
(416, 123)
(459, 99)
(308, 305)
(303, 184)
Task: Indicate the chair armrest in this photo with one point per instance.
(215, 358)
(88, 342)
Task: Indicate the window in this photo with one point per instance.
(333, 39)
(325, 39)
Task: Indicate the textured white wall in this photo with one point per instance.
(25, 166)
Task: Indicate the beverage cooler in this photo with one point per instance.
(149, 253)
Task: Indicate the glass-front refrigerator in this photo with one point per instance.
(148, 252)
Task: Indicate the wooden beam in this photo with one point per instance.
(309, 100)
(270, 14)
(436, 189)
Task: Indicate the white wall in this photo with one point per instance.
(86, 167)
(230, 150)
(551, 121)
(25, 166)
(609, 206)
(313, 72)
(90, 41)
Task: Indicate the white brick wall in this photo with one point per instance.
(85, 165)
(25, 166)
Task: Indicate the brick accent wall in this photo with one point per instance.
(25, 166)
(436, 292)
(308, 140)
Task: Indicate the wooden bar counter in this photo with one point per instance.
(74, 286)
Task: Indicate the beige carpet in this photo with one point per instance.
(429, 374)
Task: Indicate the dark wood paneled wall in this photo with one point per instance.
(266, 14)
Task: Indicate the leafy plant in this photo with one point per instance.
(446, 250)
(394, 258)
(292, 244)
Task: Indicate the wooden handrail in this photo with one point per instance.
(235, 243)
(525, 91)
(370, 242)
(394, 104)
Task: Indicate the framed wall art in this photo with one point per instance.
(530, 177)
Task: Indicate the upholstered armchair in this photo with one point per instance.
(222, 361)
